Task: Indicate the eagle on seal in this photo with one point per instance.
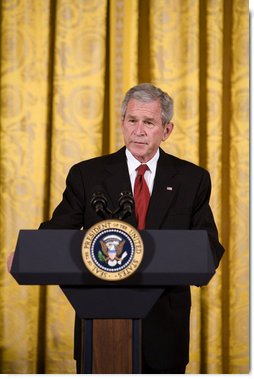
(112, 248)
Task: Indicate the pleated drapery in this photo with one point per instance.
(65, 66)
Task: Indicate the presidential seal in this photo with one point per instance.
(112, 250)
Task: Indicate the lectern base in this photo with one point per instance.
(111, 346)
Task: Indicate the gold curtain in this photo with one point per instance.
(65, 65)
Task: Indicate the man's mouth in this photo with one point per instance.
(140, 142)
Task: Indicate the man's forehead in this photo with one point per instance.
(151, 108)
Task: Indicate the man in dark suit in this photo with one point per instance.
(179, 199)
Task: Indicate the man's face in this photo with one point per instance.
(143, 130)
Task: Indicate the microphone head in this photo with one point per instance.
(126, 202)
(98, 197)
(99, 203)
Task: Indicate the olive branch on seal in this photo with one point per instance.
(101, 257)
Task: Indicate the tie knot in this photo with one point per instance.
(142, 169)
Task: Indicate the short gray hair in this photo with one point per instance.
(146, 93)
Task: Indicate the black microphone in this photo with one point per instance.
(99, 204)
(126, 203)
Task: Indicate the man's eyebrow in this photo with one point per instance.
(131, 116)
(149, 119)
(145, 117)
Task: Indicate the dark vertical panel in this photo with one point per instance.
(87, 347)
(144, 57)
(106, 119)
(41, 338)
(203, 154)
(225, 209)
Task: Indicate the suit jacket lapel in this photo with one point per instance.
(163, 191)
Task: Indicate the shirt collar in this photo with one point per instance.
(133, 163)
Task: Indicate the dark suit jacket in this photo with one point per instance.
(165, 331)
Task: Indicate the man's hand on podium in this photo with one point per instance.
(9, 261)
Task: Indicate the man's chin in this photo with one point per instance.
(139, 148)
(139, 153)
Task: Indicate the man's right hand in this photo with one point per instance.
(9, 261)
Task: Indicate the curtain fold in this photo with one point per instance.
(24, 94)
(123, 46)
(76, 134)
(65, 66)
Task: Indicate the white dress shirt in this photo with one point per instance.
(133, 164)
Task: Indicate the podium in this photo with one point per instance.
(111, 311)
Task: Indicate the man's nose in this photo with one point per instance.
(140, 128)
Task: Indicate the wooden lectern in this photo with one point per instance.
(111, 311)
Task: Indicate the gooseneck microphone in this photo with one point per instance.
(99, 203)
(126, 204)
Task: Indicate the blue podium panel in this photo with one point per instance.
(171, 257)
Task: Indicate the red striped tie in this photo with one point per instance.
(141, 196)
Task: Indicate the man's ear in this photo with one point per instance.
(167, 130)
